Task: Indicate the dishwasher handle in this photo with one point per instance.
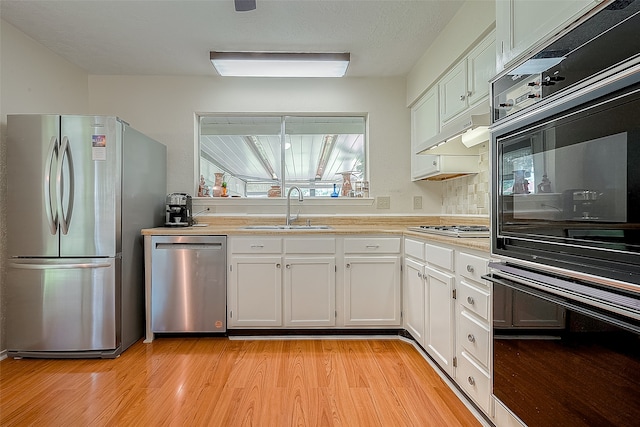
(189, 246)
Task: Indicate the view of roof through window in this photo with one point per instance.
(258, 156)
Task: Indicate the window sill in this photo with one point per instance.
(282, 201)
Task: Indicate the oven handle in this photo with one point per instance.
(568, 301)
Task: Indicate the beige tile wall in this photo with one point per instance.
(469, 195)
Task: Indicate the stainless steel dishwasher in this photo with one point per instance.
(189, 284)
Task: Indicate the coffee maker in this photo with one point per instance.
(178, 210)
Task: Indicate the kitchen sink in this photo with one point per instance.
(286, 227)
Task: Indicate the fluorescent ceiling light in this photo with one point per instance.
(280, 64)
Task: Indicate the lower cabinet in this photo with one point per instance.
(372, 281)
(439, 326)
(292, 282)
(255, 291)
(473, 331)
(447, 309)
(413, 298)
(309, 291)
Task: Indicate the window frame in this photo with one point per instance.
(197, 158)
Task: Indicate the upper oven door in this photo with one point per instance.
(567, 176)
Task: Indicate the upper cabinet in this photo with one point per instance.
(467, 84)
(522, 24)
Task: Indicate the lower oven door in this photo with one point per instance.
(560, 356)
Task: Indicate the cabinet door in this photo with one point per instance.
(481, 67)
(439, 312)
(522, 24)
(309, 286)
(453, 92)
(425, 124)
(372, 291)
(255, 291)
(413, 311)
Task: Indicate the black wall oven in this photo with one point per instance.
(566, 226)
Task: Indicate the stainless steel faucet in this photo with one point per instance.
(300, 198)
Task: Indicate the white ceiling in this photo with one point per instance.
(174, 37)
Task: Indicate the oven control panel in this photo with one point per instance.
(520, 96)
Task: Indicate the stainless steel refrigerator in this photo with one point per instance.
(80, 189)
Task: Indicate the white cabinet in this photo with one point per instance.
(467, 83)
(439, 329)
(444, 111)
(425, 125)
(473, 334)
(271, 279)
(309, 281)
(453, 91)
(254, 287)
(522, 25)
(413, 297)
(372, 281)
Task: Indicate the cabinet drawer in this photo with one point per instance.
(472, 267)
(255, 245)
(414, 249)
(310, 246)
(474, 381)
(439, 256)
(474, 299)
(372, 245)
(474, 337)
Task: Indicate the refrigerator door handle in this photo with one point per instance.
(65, 152)
(51, 212)
(45, 266)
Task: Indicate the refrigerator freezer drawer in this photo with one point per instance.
(61, 305)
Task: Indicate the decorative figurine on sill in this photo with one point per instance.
(335, 191)
(201, 186)
(545, 185)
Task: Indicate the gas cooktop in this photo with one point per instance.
(454, 230)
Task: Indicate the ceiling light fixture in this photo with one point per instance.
(280, 64)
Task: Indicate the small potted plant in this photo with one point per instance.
(224, 189)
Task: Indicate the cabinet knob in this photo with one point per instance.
(470, 268)
(471, 381)
(288, 266)
(348, 265)
(471, 338)
(278, 265)
(463, 97)
(419, 275)
(470, 300)
(435, 163)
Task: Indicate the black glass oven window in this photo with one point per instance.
(586, 372)
(575, 177)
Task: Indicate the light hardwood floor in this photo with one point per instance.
(204, 381)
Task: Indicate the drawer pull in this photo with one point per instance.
(470, 300)
(471, 338)
(257, 246)
(373, 246)
(470, 380)
(470, 268)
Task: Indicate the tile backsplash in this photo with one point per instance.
(469, 195)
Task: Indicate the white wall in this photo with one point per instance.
(165, 107)
(33, 80)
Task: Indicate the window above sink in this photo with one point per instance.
(257, 152)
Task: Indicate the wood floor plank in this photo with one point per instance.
(200, 381)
